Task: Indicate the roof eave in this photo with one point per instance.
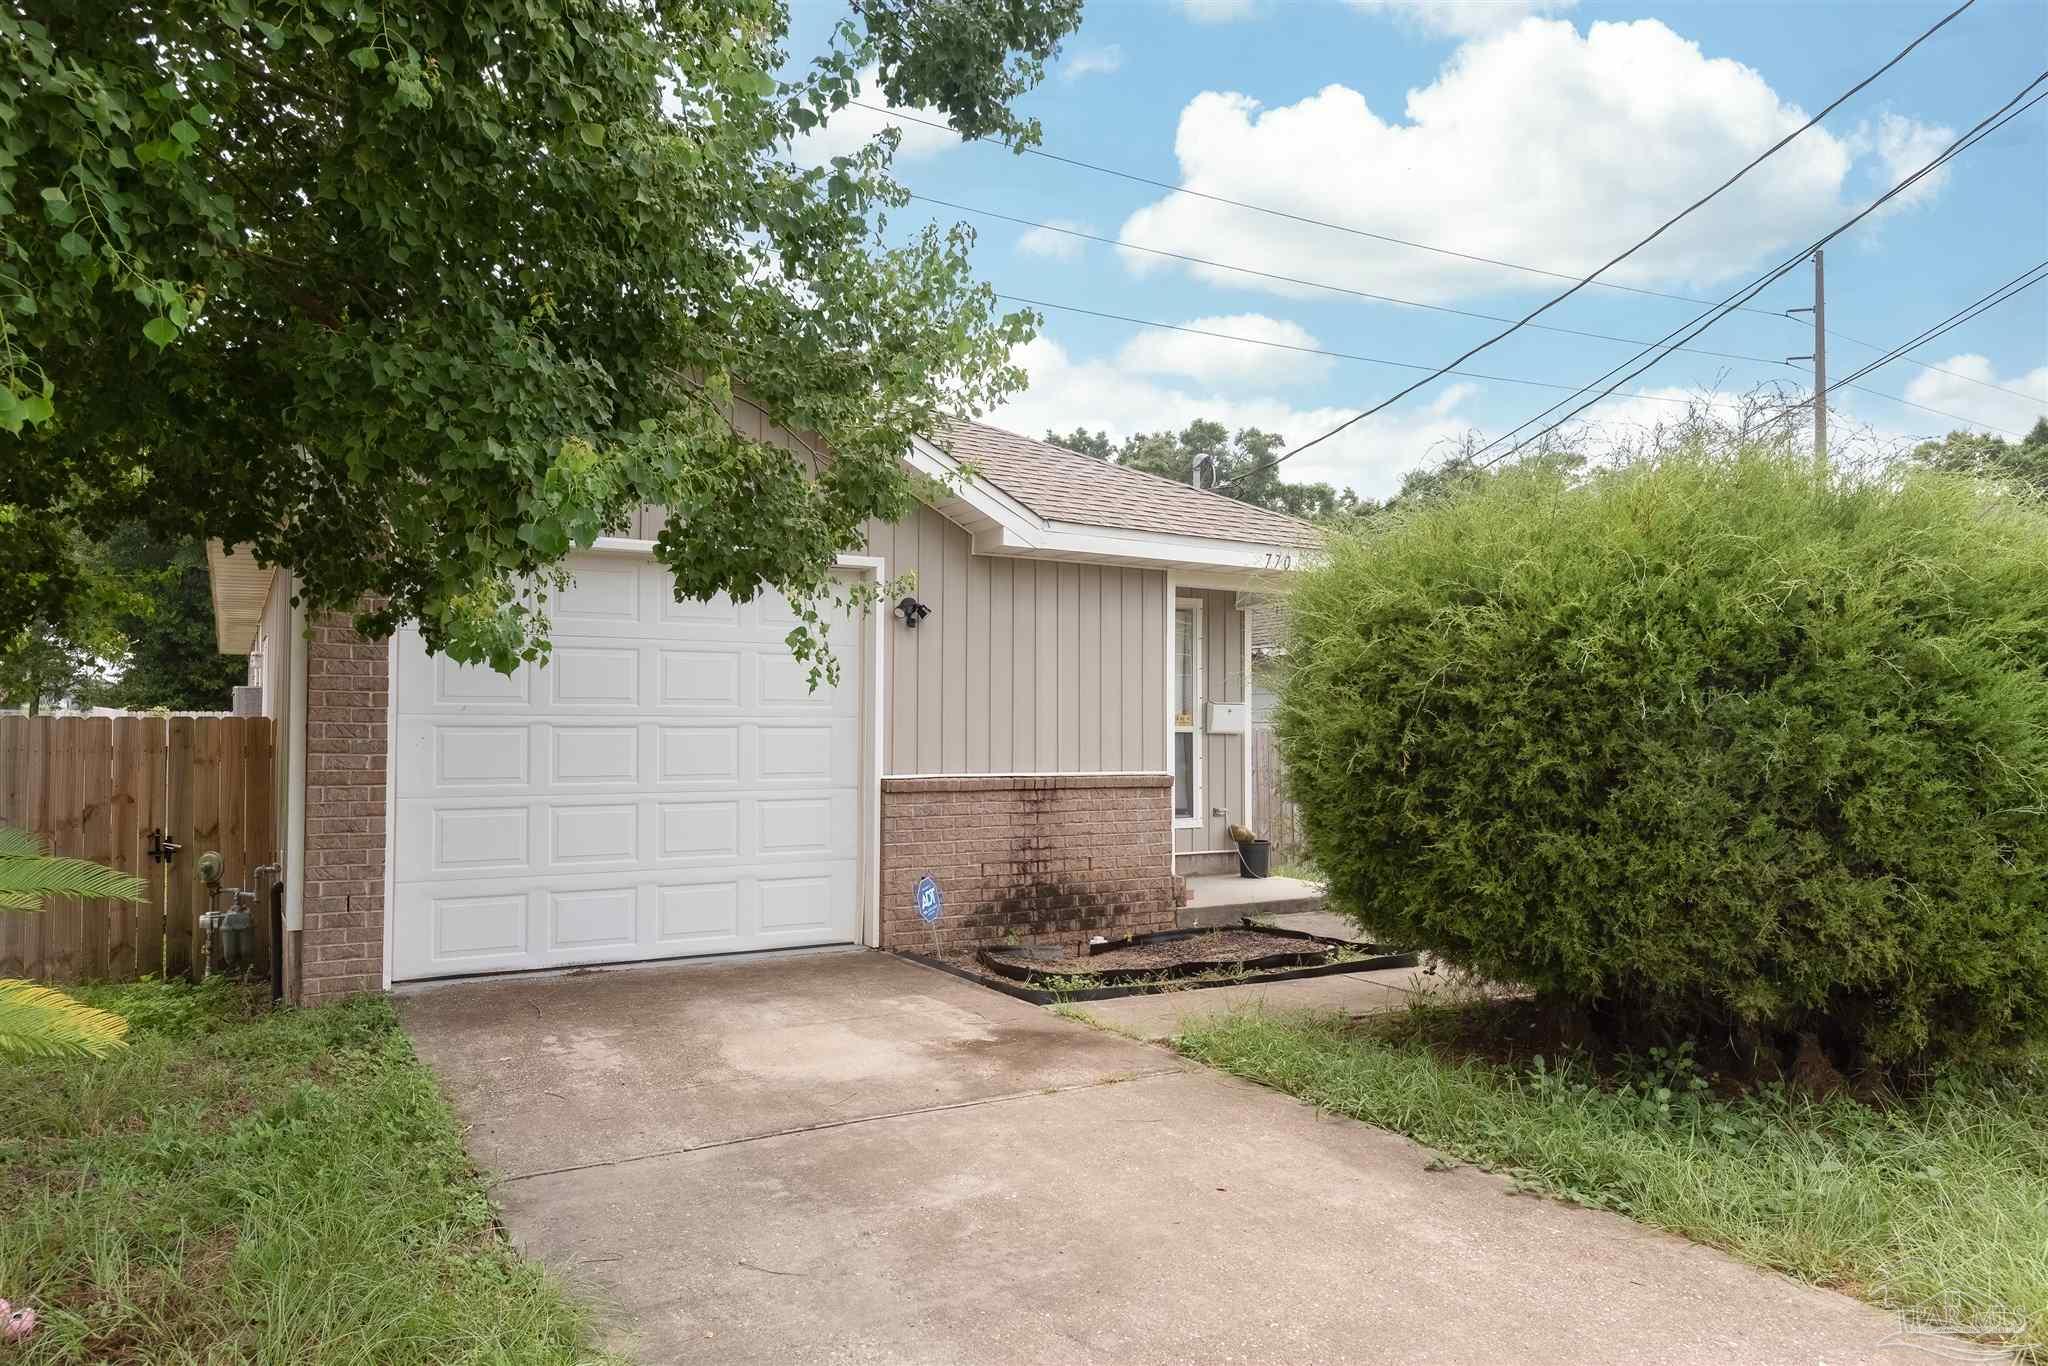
(240, 588)
(1001, 525)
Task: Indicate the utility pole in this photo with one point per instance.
(1819, 356)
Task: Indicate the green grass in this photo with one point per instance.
(1936, 1206)
(242, 1185)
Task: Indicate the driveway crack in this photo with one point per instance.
(822, 1125)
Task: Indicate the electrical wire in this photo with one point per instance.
(2020, 283)
(1411, 365)
(1659, 231)
(1312, 284)
(1990, 124)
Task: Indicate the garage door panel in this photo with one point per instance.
(586, 756)
(697, 832)
(668, 784)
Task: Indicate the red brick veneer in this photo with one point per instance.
(1046, 859)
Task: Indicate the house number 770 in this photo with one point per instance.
(1274, 561)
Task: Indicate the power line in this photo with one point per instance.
(1660, 230)
(1940, 370)
(1990, 124)
(1410, 365)
(2025, 280)
(904, 116)
(1311, 284)
(1302, 350)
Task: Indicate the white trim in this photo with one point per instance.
(1244, 694)
(871, 785)
(998, 524)
(391, 807)
(1197, 695)
(1167, 646)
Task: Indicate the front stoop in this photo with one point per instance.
(1219, 900)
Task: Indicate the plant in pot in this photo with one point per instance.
(1254, 854)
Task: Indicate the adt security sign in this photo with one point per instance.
(928, 900)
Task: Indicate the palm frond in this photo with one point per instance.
(29, 875)
(20, 844)
(39, 1022)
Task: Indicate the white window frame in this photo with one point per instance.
(1197, 818)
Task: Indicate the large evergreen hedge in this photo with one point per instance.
(1727, 737)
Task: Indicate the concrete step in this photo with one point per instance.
(1209, 863)
(1218, 900)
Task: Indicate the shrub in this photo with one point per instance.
(1719, 736)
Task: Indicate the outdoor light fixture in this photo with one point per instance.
(912, 612)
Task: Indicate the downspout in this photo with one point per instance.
(295, 787)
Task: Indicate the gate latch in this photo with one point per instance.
(162, 850)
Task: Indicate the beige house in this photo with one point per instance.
(1059, 738)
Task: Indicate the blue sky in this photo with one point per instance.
(1544, 133)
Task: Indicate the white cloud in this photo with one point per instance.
(1215, 360)
(1462, 18)
(1536, 144)
(851, 128)
(1102, 395)
(1902, 146)
(1054, 246)
(1219, 11)
(1095, 61)
(1992, 407)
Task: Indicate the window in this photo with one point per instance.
(1187, 710)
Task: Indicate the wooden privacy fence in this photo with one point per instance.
(1273, 815)
(109, 789)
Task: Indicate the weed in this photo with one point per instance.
(1940, 1198)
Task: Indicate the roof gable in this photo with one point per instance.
(1063, 486)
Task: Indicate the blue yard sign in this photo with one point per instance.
(928, 900)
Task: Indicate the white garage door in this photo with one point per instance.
(666, 786)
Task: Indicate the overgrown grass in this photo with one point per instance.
(241, 1185)
(1936, 1206)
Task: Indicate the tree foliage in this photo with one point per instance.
(1240, 463)
(172, 657)
(37, 1021)
(417, 299)
(1731, 738)
(1984, 453)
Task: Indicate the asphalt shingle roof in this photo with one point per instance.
(1065, 486)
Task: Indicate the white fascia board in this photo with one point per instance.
(1010, 528)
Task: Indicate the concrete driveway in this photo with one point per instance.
(845, 1157)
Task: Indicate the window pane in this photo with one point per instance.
(1184, 667)
(1184, 773)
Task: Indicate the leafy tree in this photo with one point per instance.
(2024, 461)
(173, 656)
(417, 299)
(47, 660)
(1239, 462)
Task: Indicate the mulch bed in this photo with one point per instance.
(1219, 948)
(1173, 960)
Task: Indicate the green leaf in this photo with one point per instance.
(162, 331)
(71, 244)
(591, 133)
(365, 58)
(185, 133)
(40, 1022)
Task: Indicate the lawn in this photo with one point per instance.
(1936, 1206)
(249, 1185)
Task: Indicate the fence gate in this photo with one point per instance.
(115, 789)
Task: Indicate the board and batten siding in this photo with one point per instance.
(1223, 756)
(1023, 666)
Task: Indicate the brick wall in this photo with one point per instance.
(341, 949)
(1051, 859)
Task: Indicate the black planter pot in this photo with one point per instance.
(1254, 858)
